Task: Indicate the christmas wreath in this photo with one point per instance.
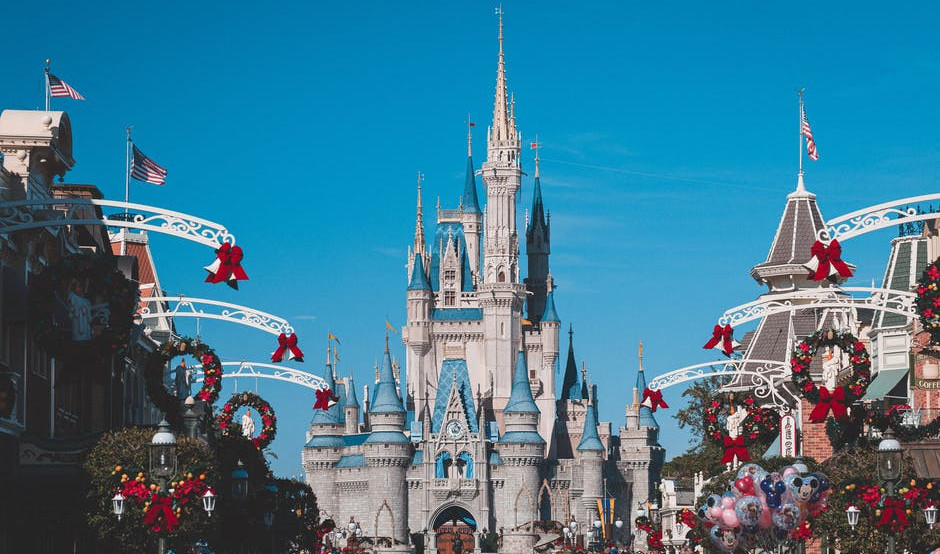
(162, 510)
(928, 301)
(268, 420)
(82, 308)
(156, 363)
(823, 399)
(759, 423)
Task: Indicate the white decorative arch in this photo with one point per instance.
(184, 306)
(260, 370)
(878, 299)
(876, 217)
(385, 507)
(767, 378)
(58, 212)
(524, 490)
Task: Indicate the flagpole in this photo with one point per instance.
(800, 135)
(45, 87)
(127, 186)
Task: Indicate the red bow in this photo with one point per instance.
(227, 266)
(160, 505)
(893, 508)
(722, 335)
(735, 447)
(828, 261)
(325, 399)
(653, 399)
(834, 401)
(284, 344)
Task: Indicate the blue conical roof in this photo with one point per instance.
(520, 398)
(385, 398)
(550, 314)
(351, 398)
(590, 440)
(332, 415)
(538, 210)
(570, 385)
(470, 202)
(646, 414)
(419, 281)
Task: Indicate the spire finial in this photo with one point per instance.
(419, 221)
(535, 146)
(500, 130)
(470, 125)
(386, 342)
(641, 354)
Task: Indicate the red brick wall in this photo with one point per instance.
(815, 442)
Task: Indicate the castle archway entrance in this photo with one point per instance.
(454, 529)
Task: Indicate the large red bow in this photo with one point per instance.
(160, 505)
(721, 335)
(834, 401)
(287, 343)
(227, 266)
(894, 509)
(653, 399)
(735, 447)
(827, 261)
(325, 399)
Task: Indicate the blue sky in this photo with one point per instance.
(669, 135)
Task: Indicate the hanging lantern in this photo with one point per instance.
(118, 505)
(208, 502)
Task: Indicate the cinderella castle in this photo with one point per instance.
(477, 437)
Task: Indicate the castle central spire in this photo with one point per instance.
(419, 222)
(500, 130)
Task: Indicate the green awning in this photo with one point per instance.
(884, 383)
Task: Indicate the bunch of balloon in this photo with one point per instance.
(762, 510)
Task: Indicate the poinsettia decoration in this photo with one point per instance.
(891, 514)
(838, 400)
(249, 399)
(162, 509)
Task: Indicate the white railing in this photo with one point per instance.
(184, 306)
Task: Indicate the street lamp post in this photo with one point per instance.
(889, 468)
(162, 463)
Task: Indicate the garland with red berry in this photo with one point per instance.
(162, 510)
(841, 397)
(928, 301)
(155, 365)
(268, 420)
(760, 423)
(891, 514)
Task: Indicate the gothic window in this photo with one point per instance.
(501, 278)
(450, 274)
(465, 465)
(450, 298)
(442, 465)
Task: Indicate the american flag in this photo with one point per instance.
(808, 133)
(145, 169)
(58, 87)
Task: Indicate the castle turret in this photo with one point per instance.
(591, 459)
(324, 448)
(538, 247)
(387, 453)
(351, 409)
(416, 334)
(521, 447)
(471, 216)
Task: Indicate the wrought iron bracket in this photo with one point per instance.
(268, 371)
(876, 217)
(767, 378)
(878, 299)
(184, 306)
(59, 212)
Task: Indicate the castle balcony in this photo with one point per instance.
(455, 487)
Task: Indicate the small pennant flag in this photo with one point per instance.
(808, 133)
(534, 145)
(331, 336)
(146, 170)
(472, 124)
(389, 326)
(59, 88)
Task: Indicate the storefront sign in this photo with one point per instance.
(927, 384)
(788, 436)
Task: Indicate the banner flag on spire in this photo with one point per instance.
(389, 326)
(808, 133)
(331, 336)
(146, 170)
(59, 88)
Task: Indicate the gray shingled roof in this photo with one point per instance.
(796, 232)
